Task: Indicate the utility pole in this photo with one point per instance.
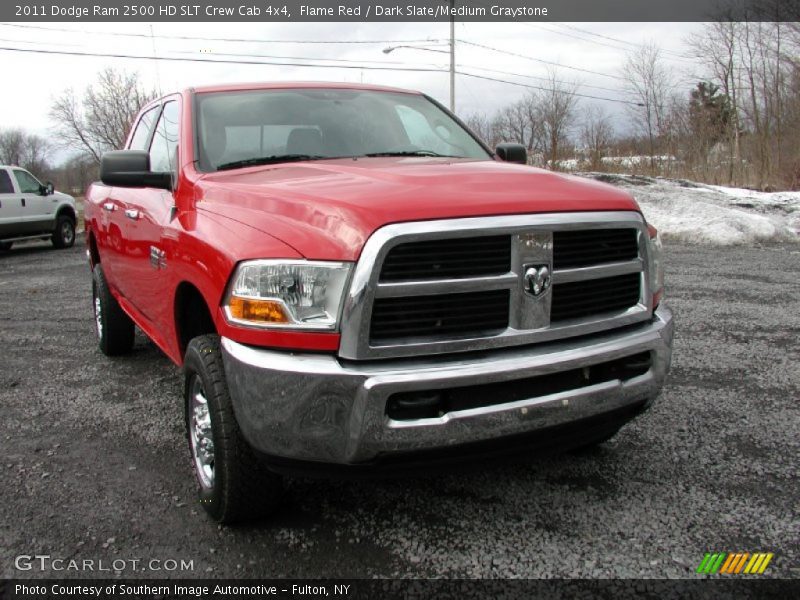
(452, 57)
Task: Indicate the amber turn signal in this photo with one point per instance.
(258, 311)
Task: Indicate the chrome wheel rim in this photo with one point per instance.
(67, 232)
(98, 316)
(202, 440)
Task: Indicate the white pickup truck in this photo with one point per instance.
(30, 209)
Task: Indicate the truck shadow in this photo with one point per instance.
(29, 249)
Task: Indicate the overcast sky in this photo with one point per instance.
(31, 81)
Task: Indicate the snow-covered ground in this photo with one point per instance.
(711, 214)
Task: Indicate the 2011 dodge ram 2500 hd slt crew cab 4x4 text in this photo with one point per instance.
(350, 278)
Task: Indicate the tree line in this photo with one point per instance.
(738, 124)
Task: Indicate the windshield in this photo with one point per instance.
(238, 129)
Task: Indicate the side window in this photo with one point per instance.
(6, 187)
(165, 141)
(28, 184)
(142, 134)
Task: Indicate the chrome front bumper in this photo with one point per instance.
(315, 407)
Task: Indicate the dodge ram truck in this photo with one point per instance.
(352, 281)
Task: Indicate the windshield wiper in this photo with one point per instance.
(266, 160)
(411, 153)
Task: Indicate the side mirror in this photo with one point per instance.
(49, 189)
(131, 168)
(514, 153)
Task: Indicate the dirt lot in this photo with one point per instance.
(94, 466)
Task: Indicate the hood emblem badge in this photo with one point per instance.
(537, 279)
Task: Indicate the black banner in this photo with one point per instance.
(397, 10)
(358, 589)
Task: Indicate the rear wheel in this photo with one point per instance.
(115, 330)
(233, 484)
(6, 246)
(64, 233)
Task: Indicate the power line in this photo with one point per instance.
(281, 57)
(582, 85)
(300, 65)
(329, 42)
(541, 60)
(572, 35)
(621, 41)
(544, 89)
(586, 32)
(248, 55)
(216, 39)
(222, 61)
(389, 62)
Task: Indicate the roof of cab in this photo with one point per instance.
(279, 85)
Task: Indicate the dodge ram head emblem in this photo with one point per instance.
(537, 279)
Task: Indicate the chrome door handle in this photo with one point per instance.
(132, 213)
(109, 206)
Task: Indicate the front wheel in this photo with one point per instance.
(233, 484)
(64, 233)
(114, 328)
(5, 246)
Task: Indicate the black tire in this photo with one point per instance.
(114, 328)
(5, 246)
(64, 233)
(234, 485)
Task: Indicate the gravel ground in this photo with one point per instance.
(94, 467)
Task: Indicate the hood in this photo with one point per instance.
(62, 197)
(327, 209)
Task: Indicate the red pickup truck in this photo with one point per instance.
(352, 281)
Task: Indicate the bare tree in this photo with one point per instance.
(597, 134)
(517, 122)
(481, 126)
(555, 110)
(649, 82)
(101, 118)
(75, 175)
(27, 150)
(716, 48)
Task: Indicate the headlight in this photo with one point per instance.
(287, 294)
(656, 264)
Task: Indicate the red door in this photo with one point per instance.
(146, 214)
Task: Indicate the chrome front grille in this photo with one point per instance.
(458, 285)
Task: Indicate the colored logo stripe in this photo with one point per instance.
(711, 562)
(734, 563)
(758, 564)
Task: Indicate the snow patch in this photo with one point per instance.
(709, 214)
